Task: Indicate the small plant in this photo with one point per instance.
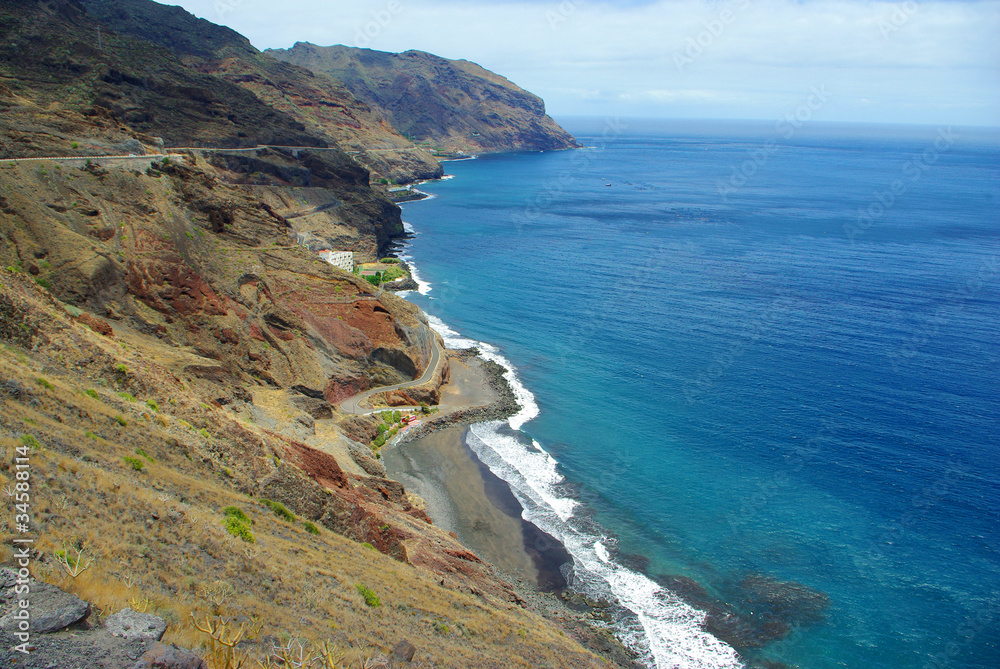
(43, 282)
(222, 653)
(121, 420)
(371, 599)
(75, 145)
(73, 565)
(369, 546)
(90, 435)
(30, 441)
(237, 513)
(126, 396)
(139, 604)
(121, 368)
(238, 529)
(44, 384)
(188, 234)
(203, 432)
(90, 392)
(147, 456)
(135, 463)
(310, 527)
(153, 405)
(280, 510)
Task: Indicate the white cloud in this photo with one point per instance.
(933, 61)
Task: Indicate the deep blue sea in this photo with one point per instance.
(761, 375)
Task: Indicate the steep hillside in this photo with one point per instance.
(452, 105)
(138, 474)
(324, 107)
(65, 89)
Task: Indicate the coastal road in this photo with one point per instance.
(352, 405)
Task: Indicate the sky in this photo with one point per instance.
(926, 62)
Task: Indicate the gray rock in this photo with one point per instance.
(306, 420)
(50, 608)
(161, 656)
(362, 455)
(404, 651)
(134, 625)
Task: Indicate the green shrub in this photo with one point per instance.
(90, 435)
(30, 441)
(146, 455)
(153, 405)
(310, 527)
(237, 513)
(126, 396)
(280, 510)
(396, 416)
(238, 529)
(205, 433)
(136, 464)
(43, 282)
(90, 392)
(121, 421)
(75, 145)
(44, 384)
(121, 368)
(371, 599)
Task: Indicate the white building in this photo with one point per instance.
(342, 259)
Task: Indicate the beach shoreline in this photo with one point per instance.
(435, 463)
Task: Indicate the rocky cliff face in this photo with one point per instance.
(322, 106)
(452, 106)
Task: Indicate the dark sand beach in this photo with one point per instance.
(464, 497)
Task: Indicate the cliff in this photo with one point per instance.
(450, 105)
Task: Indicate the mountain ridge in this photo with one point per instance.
(453, 106)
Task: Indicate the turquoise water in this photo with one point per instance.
(761, 378)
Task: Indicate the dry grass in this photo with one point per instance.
(157, 539)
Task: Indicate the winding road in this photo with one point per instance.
(352, 405)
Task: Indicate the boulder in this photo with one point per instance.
(162, 656)
(134, 625)
(51, 608)
(404, 651)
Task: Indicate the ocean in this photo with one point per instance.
(760, 372)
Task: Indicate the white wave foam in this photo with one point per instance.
(529, 408)
(665, 630)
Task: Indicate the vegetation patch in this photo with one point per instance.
(135, 463)
(279, 509)
(371, 599)
(237, 524)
